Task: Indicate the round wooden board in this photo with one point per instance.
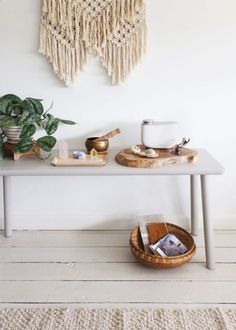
(166, 157)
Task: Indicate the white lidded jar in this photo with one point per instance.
(159, 134)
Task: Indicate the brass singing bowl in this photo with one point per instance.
(100, 146)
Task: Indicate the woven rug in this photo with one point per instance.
(117, 319)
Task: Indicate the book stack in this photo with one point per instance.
(158, 241)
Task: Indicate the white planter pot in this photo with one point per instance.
(12, 133)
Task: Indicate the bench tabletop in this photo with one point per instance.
(205, 165)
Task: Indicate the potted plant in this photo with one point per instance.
(19, 121)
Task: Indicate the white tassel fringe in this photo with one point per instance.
(71, 30)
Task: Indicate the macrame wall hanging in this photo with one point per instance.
(73, 30)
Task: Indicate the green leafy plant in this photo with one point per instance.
(29, 114)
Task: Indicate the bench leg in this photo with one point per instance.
(7, 224)
(208, 229)
(194, 204)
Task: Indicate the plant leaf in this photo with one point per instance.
(46, 143)
(8, 121)
(34, 99)
(28, 131)
(35, 118)
(3, 106)
(11, 98)
(37, 105)
(17, 110)
(28, 106)
(48, 116)
(24, 145)
(1, 147)
(6, 101)
(25, 118)
(1, 150)
(14, 109)
(65, 121)
(2, 135)
(51, 126)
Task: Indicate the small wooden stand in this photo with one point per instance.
(166, 157)
(9, 151)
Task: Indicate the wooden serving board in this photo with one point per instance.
(100, 160)
(166, 157)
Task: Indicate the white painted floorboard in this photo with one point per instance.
(82, 268)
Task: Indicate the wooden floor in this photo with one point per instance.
(96, 268)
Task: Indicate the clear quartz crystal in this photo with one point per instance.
(63, 150)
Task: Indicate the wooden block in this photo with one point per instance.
(166, 157)
(9, 151)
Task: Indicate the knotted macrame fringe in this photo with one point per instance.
(120, 60)
(72, 30)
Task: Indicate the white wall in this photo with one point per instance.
(188, 75)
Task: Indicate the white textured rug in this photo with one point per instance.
(117, 319)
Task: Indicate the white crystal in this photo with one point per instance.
(63, 150)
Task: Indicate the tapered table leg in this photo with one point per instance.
(194, 204)
(208, 229)
(7, 224)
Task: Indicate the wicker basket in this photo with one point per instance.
(158, 261)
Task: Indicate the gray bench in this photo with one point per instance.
(205, 166)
